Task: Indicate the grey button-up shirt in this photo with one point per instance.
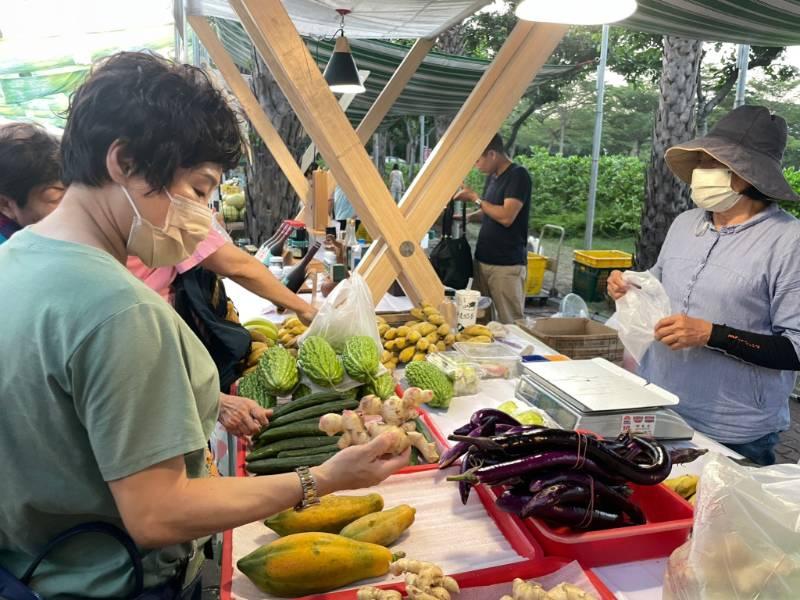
(747, 277)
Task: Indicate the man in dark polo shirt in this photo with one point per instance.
(501, 256)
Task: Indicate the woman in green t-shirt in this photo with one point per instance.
(108, 398)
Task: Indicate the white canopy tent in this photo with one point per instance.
(276, 27)
(375, 19)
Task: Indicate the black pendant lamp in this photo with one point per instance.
(341, 72)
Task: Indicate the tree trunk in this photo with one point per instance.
(270, 198)
(450, 41)
(561, 135)
(666, 195)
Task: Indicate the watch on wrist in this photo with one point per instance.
(309, 485)
(478, 201)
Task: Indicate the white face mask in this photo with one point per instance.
(187, 224)
(711, 190)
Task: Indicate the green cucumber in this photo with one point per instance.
(307, 451)
(298, 443)
(334, 406)
(292, 430)
(271, 466)
(306, 401)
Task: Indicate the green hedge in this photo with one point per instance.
(561, 188)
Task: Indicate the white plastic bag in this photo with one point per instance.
(746, 539)
(347, 311)
(639, 310)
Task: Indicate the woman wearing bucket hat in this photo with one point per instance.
(731, 268)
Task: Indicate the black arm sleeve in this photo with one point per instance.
(770, 351)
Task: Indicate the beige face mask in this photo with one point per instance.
(711, 190)
(187, 224)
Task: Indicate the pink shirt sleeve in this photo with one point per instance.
(158, 280)
(213, 242)
(161, 279)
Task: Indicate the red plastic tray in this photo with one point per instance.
(532, 556)
(669, 521)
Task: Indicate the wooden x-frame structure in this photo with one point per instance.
(397, 229)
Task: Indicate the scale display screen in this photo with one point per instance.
(543, 400)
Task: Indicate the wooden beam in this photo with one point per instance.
(319, 213)
(391, 92)
(497, 93)
(344, 101)
(261, 122)
(283, 50)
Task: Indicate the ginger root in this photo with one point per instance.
(397, 411)
(372, 593)
(401, 441)
(331, 423)
(370, 405)
(424, 580)
(353, 427)
(407, 565)
(524, 590)
(426, 449)
(417, 397)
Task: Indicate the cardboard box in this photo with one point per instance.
(577, 338)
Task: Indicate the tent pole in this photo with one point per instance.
(421, 140)
(598, 135)
(519, 60)
(741, 83)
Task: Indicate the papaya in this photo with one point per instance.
(383, 528)
(330, 515)
(313, 563)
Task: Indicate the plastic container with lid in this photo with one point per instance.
(464, 374)
(495, 359)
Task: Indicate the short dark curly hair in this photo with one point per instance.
(169, 116)
(29, 157)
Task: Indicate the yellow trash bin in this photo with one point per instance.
(536, 267)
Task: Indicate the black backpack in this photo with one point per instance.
(201, 300)
(452, 257)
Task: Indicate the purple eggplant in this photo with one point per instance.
(464, 487)
(681, 456)
(513, 503)
(595, 496)
(455, 452)
(651, 471)
(578, 517)
(530, 466)
(480, 417)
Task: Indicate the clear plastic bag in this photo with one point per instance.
(639, 310)
(347, 311)
(746, 540)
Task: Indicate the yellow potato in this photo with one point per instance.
(435, 319)
(440, 346)
(443, 330)
(400, 343)
(407, 354)
(418, 357)
(413, 337)
(402, 331)
(423, 344)
(390, 334)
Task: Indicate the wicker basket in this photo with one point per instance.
(577, 338)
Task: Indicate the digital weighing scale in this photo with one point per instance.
(598, 396)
